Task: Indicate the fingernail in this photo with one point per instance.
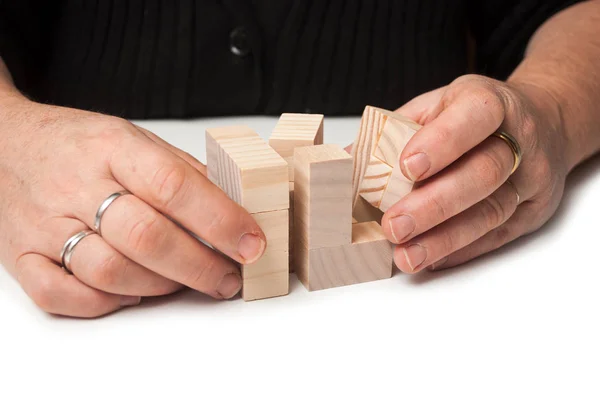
(401, 227)
(416, 166)
(251, 248)
(130, 301)
(438, 264)
(415, 256)
(229, 286)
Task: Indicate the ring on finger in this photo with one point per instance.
(516, 191)
(67, 251)
(104, 206)
(514, 147)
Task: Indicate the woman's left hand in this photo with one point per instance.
(466, 202)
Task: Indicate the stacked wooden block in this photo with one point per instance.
(324, 187)
(295, 130)
(330, 250)
(377, 175)
(256, 177)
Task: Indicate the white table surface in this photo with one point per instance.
(523, 321)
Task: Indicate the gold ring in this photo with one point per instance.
(514, 147)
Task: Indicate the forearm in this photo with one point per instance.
(562, 63)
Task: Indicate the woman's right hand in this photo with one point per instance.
(58, 165)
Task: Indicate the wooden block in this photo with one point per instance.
(375, 181)
(269, 276)
(291, 231)
(253, 174)
(398, 187)
(364, 145)
(395, 134)
(368, 258)
(322, 197)
(295, 130)
(325, 255)
(383, 134)
(213, 136)
(364, 212)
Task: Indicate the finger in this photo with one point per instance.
(457, 232)
(422, 109)
(99, 265)
(471, 113)
(468, 181)
(57, 292)
(171, 186)
(521, 223)
(195, 163)
(148, 238)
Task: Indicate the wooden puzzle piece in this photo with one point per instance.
(322, 197)
(398, 187)
(368, 258)
(291, 231)
(269, 276)
(253, 174)
(393, 137)
(256, 177)
(375, 181)
(296, 130)
(363, 147)
(330, 250)
(384, 134)
(213, 135)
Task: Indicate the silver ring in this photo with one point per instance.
(104, 206)
(67, 251)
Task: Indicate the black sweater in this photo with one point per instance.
(185, 58)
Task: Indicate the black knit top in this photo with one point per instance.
(186, 58)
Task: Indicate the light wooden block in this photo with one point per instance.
(322, 197)
(368, 258)
(256, 177)
(291, 231)
(269, 276)
(330, 249)
(383, 136)
(253, 174)
(375, 181)
(395, 133)
(363, 147)
(398, 187)
(213, 136)
(295, 130)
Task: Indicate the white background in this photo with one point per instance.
(523, 321)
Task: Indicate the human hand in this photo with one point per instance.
(464, 203)
(57, 165)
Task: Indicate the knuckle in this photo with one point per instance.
(146, 234)
(111, 129)
(168, 182)
(494, 212)
(438, 209)
(199, 278)
(503, 236)
(492, 170)
(447, 244)
(488, 104)
(45, 294)
(108, 271)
